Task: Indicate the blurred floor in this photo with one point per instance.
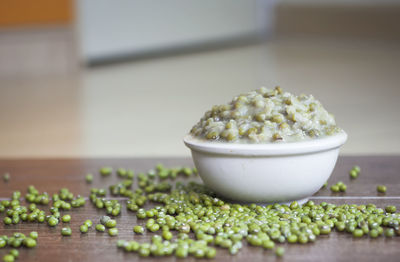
(144, 108)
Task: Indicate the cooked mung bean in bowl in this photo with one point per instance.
(266, 146)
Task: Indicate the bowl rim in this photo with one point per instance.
(266, 149)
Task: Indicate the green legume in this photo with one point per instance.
(181, 252)
(381, 189)
(14, 253)
(106, 171)
(34, 235)
(88, 223)
(390, 209)
(303, 239)
(83, 228)
(113, 231)
(343, 188)
(89, 178)
(138, 229)
(353, 174)
(358, 233)
(104, 219)
(373, 233)
(30, 242)
(7, 221)
(110, 223)
(335, 188)
(167, 235)
(144, 252)
(66, 218)
(324, 229)
(154, 227)
(389, 232)
(66, 231)
(52, 221)
(100, 228)
(8, 258)
(280, 251)
(268, 244)
(16, 243)
(6, 177)
(200, 219)
(122, 172)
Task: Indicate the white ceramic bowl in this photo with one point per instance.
(266, 173)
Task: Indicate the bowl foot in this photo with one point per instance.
(299, 201)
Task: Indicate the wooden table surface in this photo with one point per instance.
(53, 174)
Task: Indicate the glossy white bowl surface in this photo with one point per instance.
(266, 173)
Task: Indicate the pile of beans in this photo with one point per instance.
(266, 115)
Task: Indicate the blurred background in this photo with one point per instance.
(90, 78)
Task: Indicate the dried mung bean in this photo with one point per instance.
(381, 189)
(84, 228)
(100, 228)
(138, 229)
(113, 231)
(66, 231)
(89, 178)
(66, 218)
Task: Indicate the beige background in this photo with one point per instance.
(51, 107)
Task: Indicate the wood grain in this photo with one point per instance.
(51, 175)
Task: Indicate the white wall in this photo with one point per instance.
(116, 27)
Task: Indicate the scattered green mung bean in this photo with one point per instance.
(8, 258)
(106, 171)
(381, 189)
(3, 242)
(14, 252)
(110, 223)
(88, 223)
(33, 235)
(52, 221)
(89, 178)
(122, 172)
(389, 232)
(6, 177)
(100, 228)
(373, 233)
(358, 233)
(104, 219)
(167, 235)
(335, 188)
(390, 209)
(66, 231)
(30, 242)
(280, 251)
(138, 229)
(338, 187)
(7, 221)
(113, 231)
(354, 172)
(66, 218)
(83, 228)
(189, 220)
